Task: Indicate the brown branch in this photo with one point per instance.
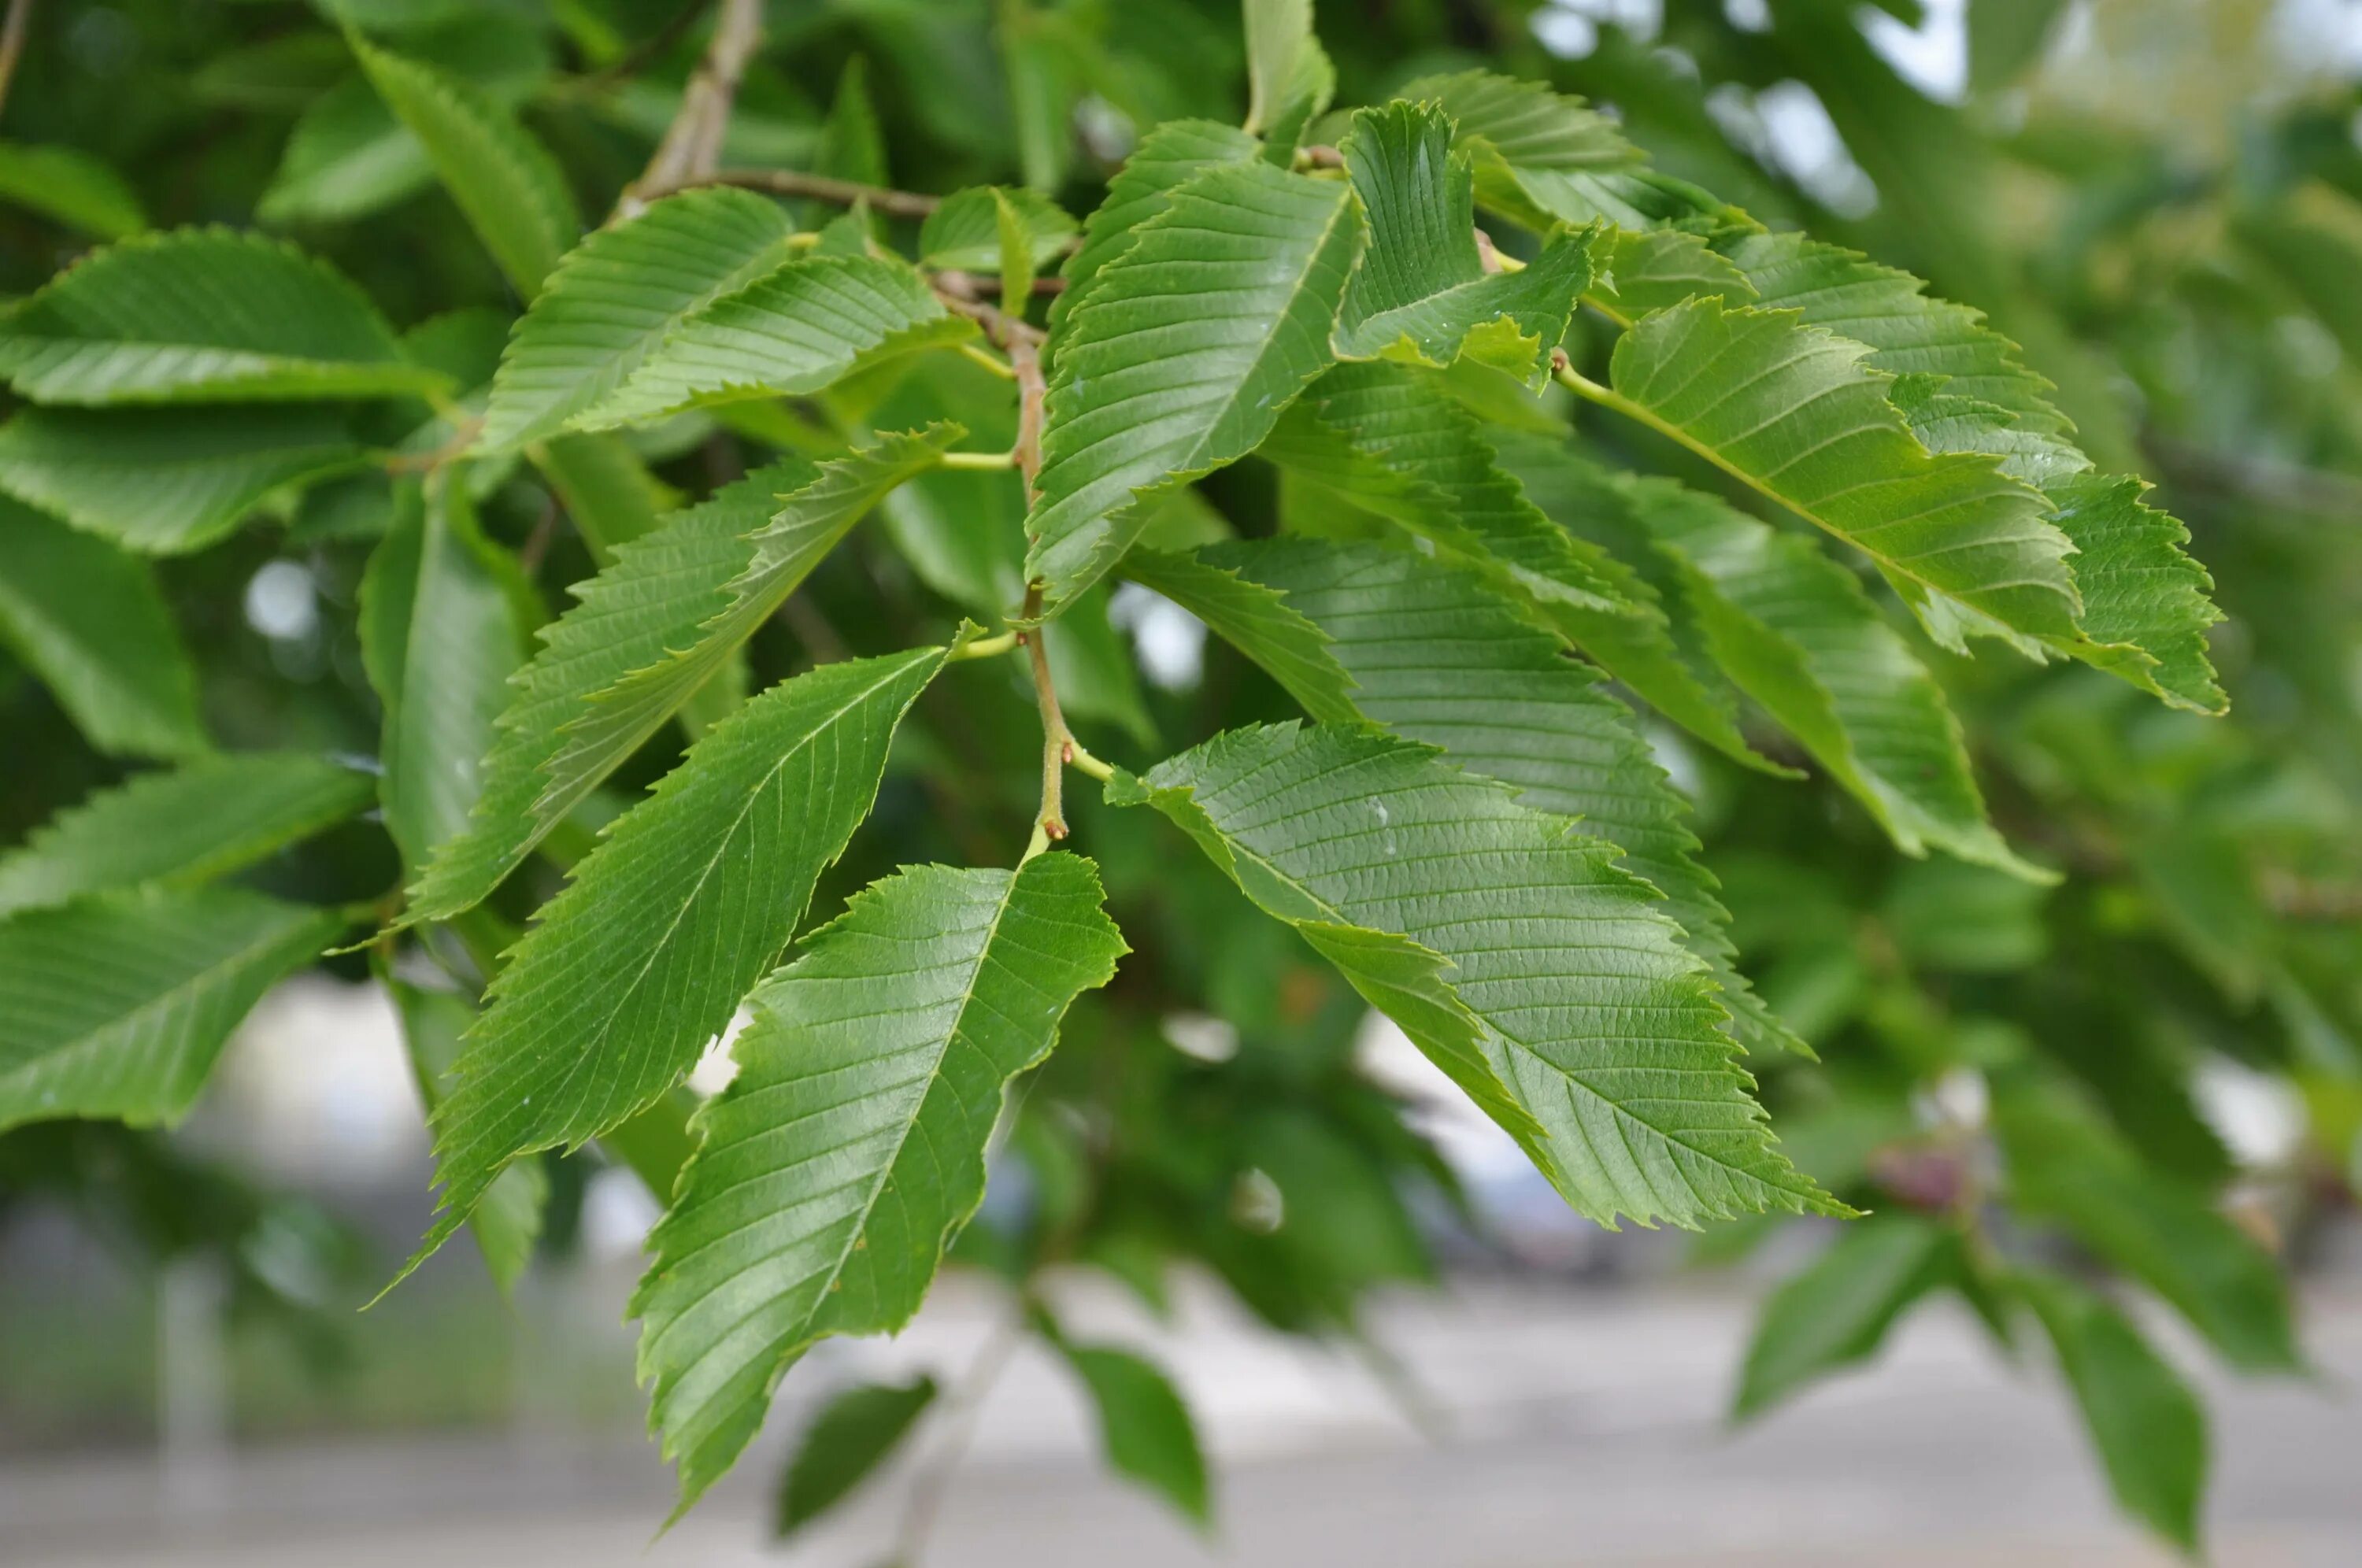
(12, 42)
(691, 148)
(824, 187)
(633, 60)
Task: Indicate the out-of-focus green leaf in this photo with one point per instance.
(853, 1434)
(88, 620)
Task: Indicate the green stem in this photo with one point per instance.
(988, 647)
(991, 462)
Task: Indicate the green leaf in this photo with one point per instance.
(1150, 391)
(853, 1434)
(70, 186)
(167, 480)
(1256, 619)
(964, 234)
(1167, 157)
(2144, 606)
(1790, 410)
(2063, 1164)
(1421, 294)
(2145, 1422)
(346, 158)
(440, 635)
(201, 315)
(1279, 35)
(612, 298)
(1538, 936)
(512, 193)
(640, 960)
(115, 1006)
(181, 827)
(1656, 269)
(609, 493)
(849, 1150)
(1835, 1311)
(1145, 1428)
(1661, 653)
(795, 330)
(2141, 590)
(1437, 656)
(1543, 157)
(659, 589)
(508, 1221)
(88, 620)
(1794, 630)
(779, 556)
(647, 633)
(1393, 443)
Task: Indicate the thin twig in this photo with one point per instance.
(691, 148)
(823, 188)
(634, 59)
(1057, 743)
(12, 42)
(929, 1487)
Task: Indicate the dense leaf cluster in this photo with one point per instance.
(1511, 468)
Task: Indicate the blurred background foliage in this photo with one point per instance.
(2161, 200)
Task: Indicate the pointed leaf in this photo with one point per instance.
(70, 186)
(1150, 390)
(1395, 442)
(647, 635)
(1790, 409)
(797, 329)
(88, 620)
(659, 589)
(1279, 33)
(1661, 653)
(2141, 590)
(1835, 1311)
(1437, 656)
(181, 827)
(1421, 294)
(440, 636)
(1543, 157)
(853, 1434)
(2063, 1165)
(346, 158)
(1794, 630)
(611, 301)
(2144, 606)
(115, 1006)
(781, 554)
(1605, 1031)
(201, 315)
(1145, 1427)
(640, 960)
(1166, 158)
(2145, 1422)
(164, 480)
(849, 1150)
(964, 234)
(1256, 619)
(514, 194)
(507, 1224)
